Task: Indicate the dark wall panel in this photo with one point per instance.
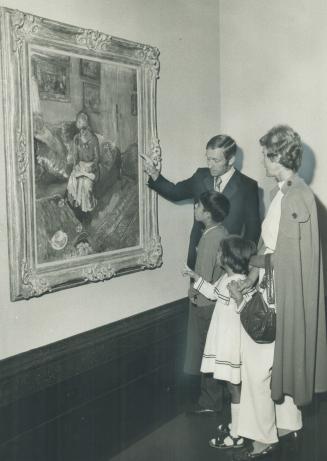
(89, 396)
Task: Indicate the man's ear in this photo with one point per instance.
(231, 161)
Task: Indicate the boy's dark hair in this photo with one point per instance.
(236, 253)
(216, 203)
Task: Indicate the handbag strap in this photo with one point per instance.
(269, 277)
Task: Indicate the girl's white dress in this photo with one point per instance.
(222, 352)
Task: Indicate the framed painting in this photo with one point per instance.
(90, 69)
(79, 210)
(91, 97)
(52, 73)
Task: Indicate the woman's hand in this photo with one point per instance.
(150, 167)
(245, 285)
(250, 281)
(235, 291)
(187, 272)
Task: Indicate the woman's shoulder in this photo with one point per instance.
(295, 185)
(298, 199)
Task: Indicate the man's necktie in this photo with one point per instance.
(217, 183)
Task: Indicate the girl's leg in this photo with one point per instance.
(235, 392)
(230, 438)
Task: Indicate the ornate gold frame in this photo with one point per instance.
(19, 31)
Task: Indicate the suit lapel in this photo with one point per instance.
(208, 181)
(232, 187)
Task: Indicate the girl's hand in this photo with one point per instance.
(235, 291)
(187, 272)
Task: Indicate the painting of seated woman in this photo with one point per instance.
(86, 177)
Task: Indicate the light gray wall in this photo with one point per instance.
(274, 70)
(186, 32)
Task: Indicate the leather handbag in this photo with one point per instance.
(257, 317)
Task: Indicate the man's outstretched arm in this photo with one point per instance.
(174, 192)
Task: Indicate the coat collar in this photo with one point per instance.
(294, 180)
(288, 184)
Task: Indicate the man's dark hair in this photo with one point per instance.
(216, 204)
(236, 253)
(224, 142)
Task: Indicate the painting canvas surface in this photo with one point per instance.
(86, 179)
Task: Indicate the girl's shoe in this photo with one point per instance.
(224, 440)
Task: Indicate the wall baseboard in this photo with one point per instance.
(93, 393)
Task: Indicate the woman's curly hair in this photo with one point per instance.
(284, 144)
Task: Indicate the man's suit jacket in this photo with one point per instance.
(241, 191)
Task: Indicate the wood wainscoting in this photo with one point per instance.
(89, 396)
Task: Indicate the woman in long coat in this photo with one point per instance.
(281, 377)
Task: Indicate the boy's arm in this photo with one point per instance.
(206, 260)
(206, 263)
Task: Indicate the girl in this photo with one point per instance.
(222, 354)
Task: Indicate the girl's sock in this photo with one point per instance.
(235, 409)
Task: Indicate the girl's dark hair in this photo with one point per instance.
(236, 253)
(224, 142)
(216, 204)
(285, 145)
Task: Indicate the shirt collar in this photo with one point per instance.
(226, 176)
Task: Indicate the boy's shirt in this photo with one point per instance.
(206, 261)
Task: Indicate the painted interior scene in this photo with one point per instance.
(85, 129)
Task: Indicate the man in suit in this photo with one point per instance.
(243, 219)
